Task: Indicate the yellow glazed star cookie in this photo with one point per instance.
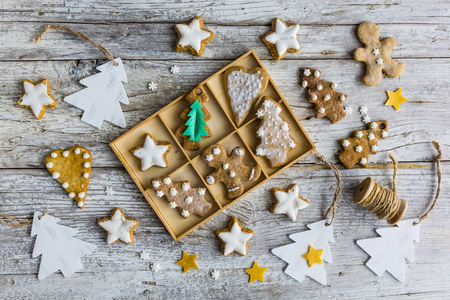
(36, 97)
(118, 227)
(72, 169)
(193, 37)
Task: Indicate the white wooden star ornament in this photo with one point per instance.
(288, 201)
(118, 227)
(152, 153)
(282, 38)
(36, 97)
(193, 37)
(234, 238)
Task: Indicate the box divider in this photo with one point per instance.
(252, 154)
(206, 185)
(220, 105)
(175, 138)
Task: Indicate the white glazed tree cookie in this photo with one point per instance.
(244, 87)
(288, 201)
(152, 153)
(282, 38)
(118, 227)
(193, 37)
(273, 132)
(234, 238)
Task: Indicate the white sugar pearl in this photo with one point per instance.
(80, 203)
(316, 74)
(232, 173)
(319, 87)
(363, 161)
(86, 165)
(313, 97)
(327, 97)
(65, 185)
(86, 175)
(49, 165)
(342, 98)
(77, 151)
(321, 110)
(55, 175)
(66, 153)
(358, 148)
(333, 85)
(304, 83)
(86, 156)
(81, 195)
(72, 195)
(54, 155)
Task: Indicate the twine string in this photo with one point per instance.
(337, 192)
(50, 27)
(21, 222)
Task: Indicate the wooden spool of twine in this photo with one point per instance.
(383, 202)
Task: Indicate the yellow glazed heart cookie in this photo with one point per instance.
(72, 169)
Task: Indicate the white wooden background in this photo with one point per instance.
(141, 33)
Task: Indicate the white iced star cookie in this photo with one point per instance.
(282, 38)
(36, 97)
(234, 238)
(118, 227)
(152, 153)
(288, 201)
(193, 37)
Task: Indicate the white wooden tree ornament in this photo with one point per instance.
(102, 96)
(389, 251)
(60, 251)
(318, 237)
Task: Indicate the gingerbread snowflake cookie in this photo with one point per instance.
(36, 97)
(72, 169)
(193, 37)
(118, 227)
(376, 55)
(364, 142)
(181, 195)
(327, 102)
(273, 133)
(243, 88)
(234, 238)
(288, 201)
(282, 38)
(229, 169)
(152, 153)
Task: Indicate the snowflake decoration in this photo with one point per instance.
(363, 110)
(144, 255)
(366, 119)
(215, 274)
(109, 191)
(155, 267)
(175, 69)
(152, 86)
(348, 110)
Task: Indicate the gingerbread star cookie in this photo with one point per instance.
(229, 169)
(243, 88)
(376, 55)
(181, 195)
(72, 169)
(282, 38)
(288, 201)
(152, 153)
(395, 98)
(188, 262)
(37, 97)
(193, 37)
(256, 272)
(234, 238)
(118, 227)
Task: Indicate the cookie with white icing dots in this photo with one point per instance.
(243, 88)
(273, 133)
(118, 227)
(234, 238)
(282, 38)
(180, 194)
(288, 201)
(193, 37)
(229, 169)
(37, 97)
(152, 153)
(72, 169)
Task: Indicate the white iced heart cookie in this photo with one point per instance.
(244, 87)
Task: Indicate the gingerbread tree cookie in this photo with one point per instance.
(273, 132)
(328, 102)
(190, 140)
(365, 142)
(229, 169)
(180, 194)
(376, 55)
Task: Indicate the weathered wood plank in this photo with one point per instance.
(26, 141)
(248, 12)
(118, 271)
(157, 41)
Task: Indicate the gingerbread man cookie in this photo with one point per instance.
(365, 142)
(327, 102)
(229, 169)
(376, 54)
